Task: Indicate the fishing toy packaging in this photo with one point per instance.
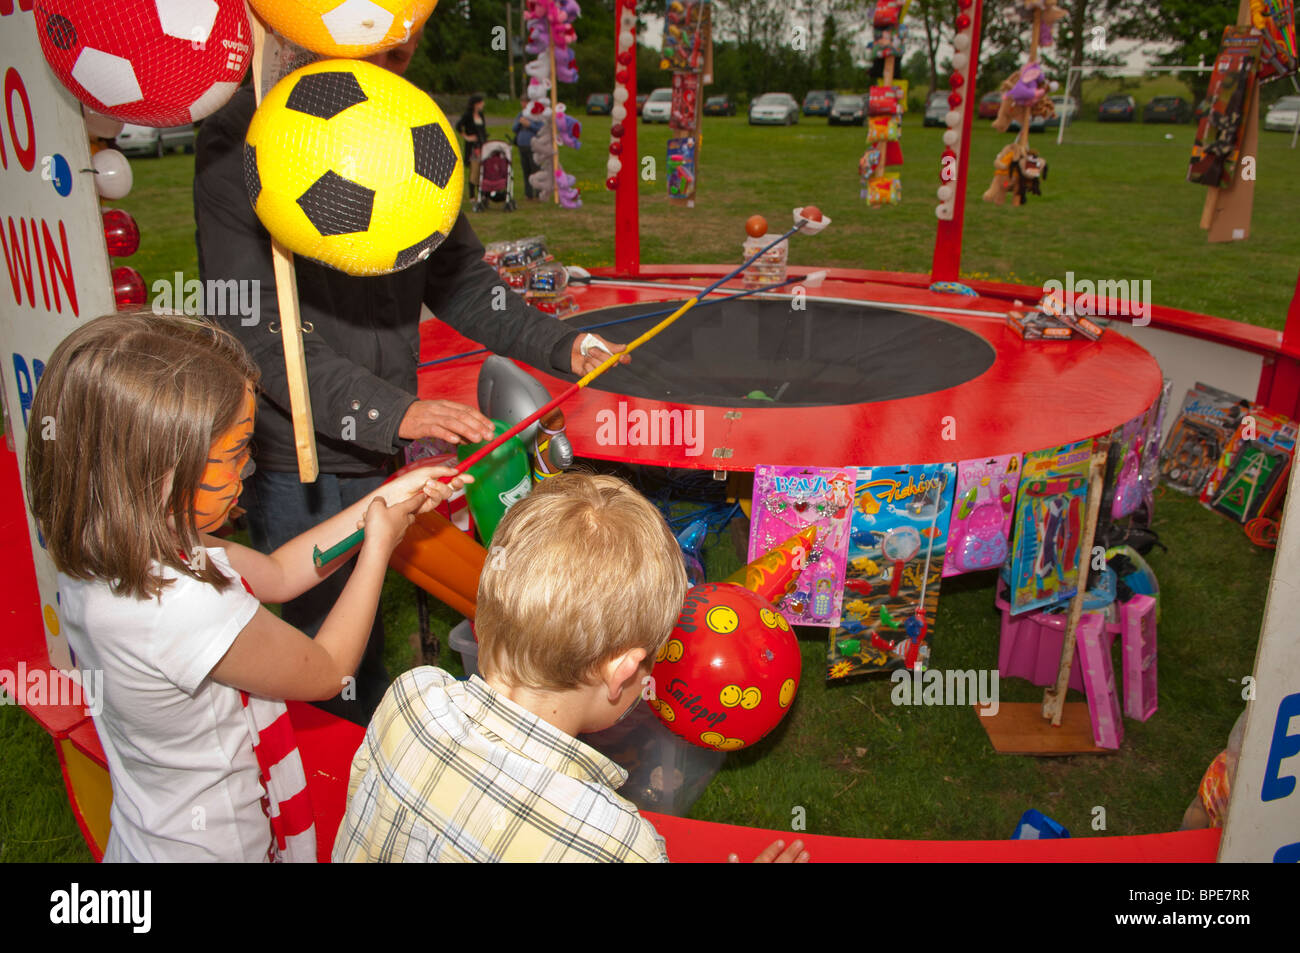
(681, 167)
(981, 517)
(1222, 127)
(896, 554)
(1123, 494)
(686, 34)
(1049, 526)
(1260, 426)
(1197, 439)
(787, 500)
(1151, 445)
(1276, 19)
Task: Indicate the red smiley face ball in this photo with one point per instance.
(811, 212)
(756, 226)
(730, 670)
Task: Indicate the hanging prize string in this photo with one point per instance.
(811, 225)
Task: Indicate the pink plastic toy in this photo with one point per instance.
(1099, 681)
(1138, 653)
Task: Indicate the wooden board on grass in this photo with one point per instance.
(1019, 728)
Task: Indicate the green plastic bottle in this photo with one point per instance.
(501, 479)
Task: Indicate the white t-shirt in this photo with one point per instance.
(180, 755)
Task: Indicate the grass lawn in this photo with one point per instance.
(1115, 206)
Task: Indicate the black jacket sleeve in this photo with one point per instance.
(466, 292)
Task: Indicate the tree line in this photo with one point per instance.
(798, 45)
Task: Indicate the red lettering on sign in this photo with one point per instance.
(27, 151)
(21, 255)
(19, 262)
(59, 267)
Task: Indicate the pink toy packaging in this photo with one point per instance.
(1099, 681)
(1137, 619)
(981, 519)
(1124, 486)
(788, 500)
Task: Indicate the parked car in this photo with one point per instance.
(773, 109)
(1282, 115)
(659, 107)
(850, 109)
(1118, 108)
(989, 104)
(600, 104)
(1067, 108)
(148, 141)
(1167, 109)
(722, 105)
(640, 101)
(936, 108)
(818, 102)
(1036, 124)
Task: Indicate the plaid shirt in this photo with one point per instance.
(454, 771)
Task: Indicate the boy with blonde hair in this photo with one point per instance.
(582, 587)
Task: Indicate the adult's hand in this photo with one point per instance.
(597, 353)
(445, 420)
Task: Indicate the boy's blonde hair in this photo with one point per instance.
(135, 399)
(582, 570)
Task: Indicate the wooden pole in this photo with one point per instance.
(1054, 697)
(286, 290)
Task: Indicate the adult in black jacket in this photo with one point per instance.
(362, 348)
(473, 127)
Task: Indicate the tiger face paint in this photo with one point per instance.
(229, 464)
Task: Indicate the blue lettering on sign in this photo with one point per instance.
(1282, 747)
(23, 379)
(61, 175)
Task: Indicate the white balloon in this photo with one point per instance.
(953, 118)
(945, 193)
(113, 174)
(625, 40)
(620, 94)
(629, 19)
(961, 42)
(951, 137)
(959, 60)
(97, 124)
(943, 212)
(614, 165)
(618, 113)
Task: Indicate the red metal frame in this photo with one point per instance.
(946, 262)
(627, 203)
(1090, 387)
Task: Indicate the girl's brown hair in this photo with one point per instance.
(135, 400)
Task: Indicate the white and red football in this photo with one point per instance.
(149, 62)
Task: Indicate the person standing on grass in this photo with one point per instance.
(525, 128)
(362, 343)
(156, 417)
(472, 126)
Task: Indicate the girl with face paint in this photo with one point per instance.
(153, 420)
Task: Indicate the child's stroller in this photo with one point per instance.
(496, 178)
